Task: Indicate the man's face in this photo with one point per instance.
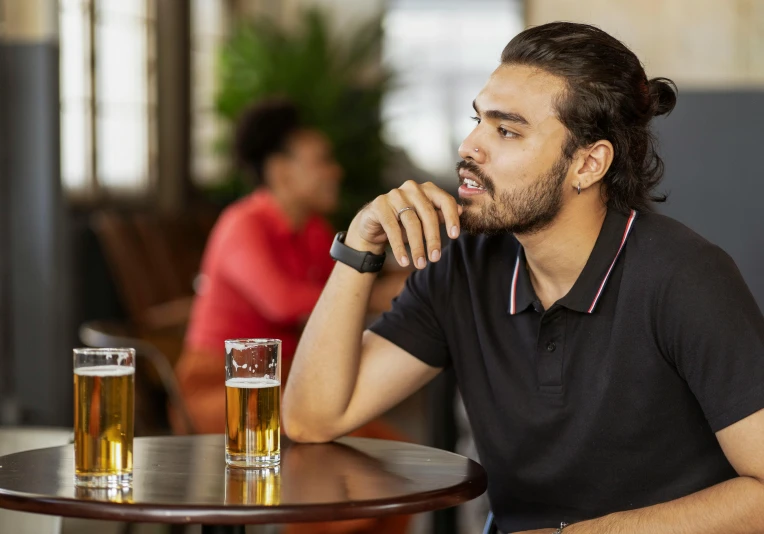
(313, 174)
(518, 168)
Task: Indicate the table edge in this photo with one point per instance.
(228, 515)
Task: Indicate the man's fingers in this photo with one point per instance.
(410, 221)
(447, 206)
(413, 213)
(392, 229)
(428, 217)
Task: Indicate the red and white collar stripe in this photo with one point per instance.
(629, 224)
(512, 305)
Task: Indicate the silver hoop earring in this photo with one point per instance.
(579, 188)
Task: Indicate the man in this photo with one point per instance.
(611, 361)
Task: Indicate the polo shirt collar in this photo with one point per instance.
(587, 290)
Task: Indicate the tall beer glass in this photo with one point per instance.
(104, 409)
(253, 402)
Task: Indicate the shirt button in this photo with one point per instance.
(551, 346)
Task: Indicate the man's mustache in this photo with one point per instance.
(484, 179)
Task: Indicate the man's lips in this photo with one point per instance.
(469, 184)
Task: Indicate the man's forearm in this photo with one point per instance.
(325, 367)
(732, 507)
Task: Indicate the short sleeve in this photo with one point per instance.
(714, 332)
(412, 324)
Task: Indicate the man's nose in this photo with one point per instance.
(470, 149)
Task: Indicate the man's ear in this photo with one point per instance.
(591, 164)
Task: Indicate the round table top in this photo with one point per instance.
(184, 479)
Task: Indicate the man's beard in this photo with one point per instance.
(526, 211)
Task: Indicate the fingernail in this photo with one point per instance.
(454, 231)
(405, 261)
(421, 263)
(435, 255)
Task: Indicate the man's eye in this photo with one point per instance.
(476, 119)
(506, 133)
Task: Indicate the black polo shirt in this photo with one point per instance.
(609, 399)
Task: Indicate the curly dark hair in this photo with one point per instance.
(608, 96)
(262, 131)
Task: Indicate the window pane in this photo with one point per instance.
(209, 25)
(75, 75)
(207, 133)
(123, 147)
(121, 62)
(203, 77)
(442, 52)
(209, 17)
(75, 144)
(125, 9)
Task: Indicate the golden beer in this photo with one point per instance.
(253, 411)
(103, 424)
(260, 487)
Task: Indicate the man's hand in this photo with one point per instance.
(378, 223)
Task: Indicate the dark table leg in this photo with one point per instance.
(222, 529)
(444, 436)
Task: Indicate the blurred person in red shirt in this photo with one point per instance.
(267, 258)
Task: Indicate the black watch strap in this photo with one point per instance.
(363, 262)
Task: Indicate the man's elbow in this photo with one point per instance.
(301, 430)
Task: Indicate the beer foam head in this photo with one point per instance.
(253, 382)
(105, 370)
(247, 344)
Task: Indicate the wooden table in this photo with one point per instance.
(185, 479)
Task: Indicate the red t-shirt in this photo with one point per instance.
(260, 278)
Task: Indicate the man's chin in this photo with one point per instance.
(474, 223)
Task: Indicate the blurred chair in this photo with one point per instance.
(153, 261)
(149, 420)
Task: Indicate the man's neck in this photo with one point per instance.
(556, 255)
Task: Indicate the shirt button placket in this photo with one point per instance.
(549, 351)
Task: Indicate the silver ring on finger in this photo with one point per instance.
(400, 212)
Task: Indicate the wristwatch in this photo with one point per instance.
(562, 527)
(361, 261)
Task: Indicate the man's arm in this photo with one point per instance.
(342, 377)
(732, 507)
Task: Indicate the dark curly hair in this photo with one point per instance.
(262, 131)
(608, 96)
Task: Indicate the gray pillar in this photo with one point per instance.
(36, 266)
(7, 411)
(174, 105)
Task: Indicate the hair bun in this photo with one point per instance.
(662, 95)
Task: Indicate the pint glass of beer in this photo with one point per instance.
(253, 402)
(104, 409)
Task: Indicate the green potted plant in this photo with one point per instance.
(322, 74)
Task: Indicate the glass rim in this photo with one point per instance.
(101, 351)
(253, 342)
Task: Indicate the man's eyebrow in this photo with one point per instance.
(502, 115)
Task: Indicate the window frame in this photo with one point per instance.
(93, 192)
